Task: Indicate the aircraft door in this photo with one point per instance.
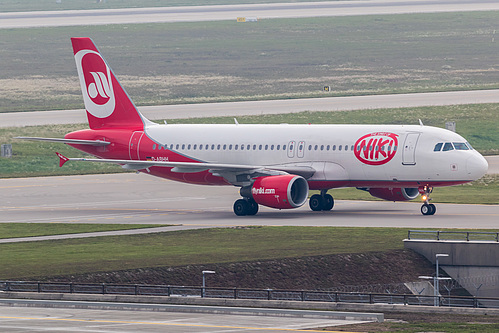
(409, 152)
(301, 149)
(133, 147)
(291, 149)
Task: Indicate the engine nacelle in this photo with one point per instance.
(282, 192)
(395, 194)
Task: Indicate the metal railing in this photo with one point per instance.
(244, 293)
(453, 235)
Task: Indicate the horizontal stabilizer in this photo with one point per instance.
(62, 159)
(71, 141)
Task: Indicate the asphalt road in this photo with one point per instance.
(17, 119)
(131, 198)
(231, 12)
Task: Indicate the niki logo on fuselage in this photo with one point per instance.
(376, 148)
(99, 94)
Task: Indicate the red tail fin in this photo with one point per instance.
(107, 103)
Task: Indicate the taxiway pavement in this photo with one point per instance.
(181, 111)
(132, 198)
(78, 316)
(231, 12)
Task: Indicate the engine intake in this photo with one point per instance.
(395, 194)
(282, 192)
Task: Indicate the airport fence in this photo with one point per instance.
(453, 235)
(243, 293)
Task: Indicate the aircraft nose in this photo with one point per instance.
(476, 166)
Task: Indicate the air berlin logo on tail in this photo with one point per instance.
(100, 86)
(376, 148)
(96, 83)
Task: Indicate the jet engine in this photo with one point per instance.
(395, 194)
(282, 192)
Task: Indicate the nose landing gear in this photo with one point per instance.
(427, 208)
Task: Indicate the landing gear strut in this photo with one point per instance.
(427, 208)
(321, 201)
(245, 206)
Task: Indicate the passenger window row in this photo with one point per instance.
(329, 147)
(446, 146)
(184, 146)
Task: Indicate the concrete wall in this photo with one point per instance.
(461, 253)
(471, 263)
(374, 309)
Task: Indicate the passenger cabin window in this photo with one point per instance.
(448, 146)
(438, 146)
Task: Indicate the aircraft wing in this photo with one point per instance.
(191, 167)
(73, 141)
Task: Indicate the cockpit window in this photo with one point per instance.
(469, 146)
(438, 146)
(448, 146)
(460, 146)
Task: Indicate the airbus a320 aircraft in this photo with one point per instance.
(274, 165)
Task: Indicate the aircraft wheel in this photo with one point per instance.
(241, 207)
(316, 203)
(328, 203)
(433, 209)
(428, 209)
(252, 207)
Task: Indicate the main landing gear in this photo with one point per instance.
(427, 208)
(245, 206)
(321, 201)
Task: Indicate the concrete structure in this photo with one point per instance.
(474, 264)
(363, 311)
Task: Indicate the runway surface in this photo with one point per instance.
(31, 317)
(231, 12)
(17, 119)
(142, 199)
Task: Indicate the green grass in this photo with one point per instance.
(180, 248)
(49, 258)
(14, 230)
(175, 63)
(454, 327)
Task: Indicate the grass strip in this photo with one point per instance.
(190, 247)
(15, 230)
(77, 256)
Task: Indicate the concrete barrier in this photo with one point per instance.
(333, 310)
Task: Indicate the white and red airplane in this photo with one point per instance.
(274, 165)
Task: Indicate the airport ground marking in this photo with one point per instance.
(166, 324)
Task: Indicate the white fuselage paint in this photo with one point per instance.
(414, 160)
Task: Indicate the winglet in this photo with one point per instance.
(62, 159)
